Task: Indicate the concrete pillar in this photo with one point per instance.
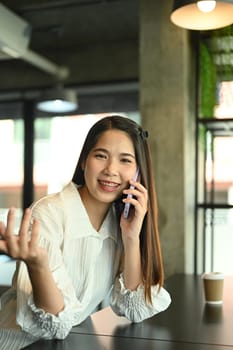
(167, 100)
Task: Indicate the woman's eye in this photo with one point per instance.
(100, 155)
(126, 160)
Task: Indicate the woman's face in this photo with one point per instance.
(109, 166)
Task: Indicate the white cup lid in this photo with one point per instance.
(213, 275)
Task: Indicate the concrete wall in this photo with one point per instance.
(167, 110)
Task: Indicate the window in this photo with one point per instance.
(11, 155)
(214, 166)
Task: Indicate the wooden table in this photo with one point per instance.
(76, 341)
(189, 323)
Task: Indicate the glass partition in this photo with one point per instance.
(11, 155)
(214, 162)
(11, 182)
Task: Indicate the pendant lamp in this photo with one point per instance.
(202, 14)
(58, 100)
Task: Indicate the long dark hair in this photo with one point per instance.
(151, 257)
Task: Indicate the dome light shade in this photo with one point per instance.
(194, 15)
(58, 100)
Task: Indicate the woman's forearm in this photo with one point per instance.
(46, 294)
(24, 248)
(132, 266)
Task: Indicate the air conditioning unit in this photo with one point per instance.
(15, 34)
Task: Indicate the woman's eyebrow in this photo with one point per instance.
(122, 154)
(125, 154)
(100, 150)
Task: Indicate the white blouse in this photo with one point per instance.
(84, 264)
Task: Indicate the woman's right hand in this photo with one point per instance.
(21, 246)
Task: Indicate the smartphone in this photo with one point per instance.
(127, 205)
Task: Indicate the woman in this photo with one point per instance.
(80, 248)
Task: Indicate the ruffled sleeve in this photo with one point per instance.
(36, 321)
(30, 318)
(132, 304)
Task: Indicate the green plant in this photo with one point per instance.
(208, 81)
(223, 38)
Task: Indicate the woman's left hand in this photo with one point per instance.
(131, 227)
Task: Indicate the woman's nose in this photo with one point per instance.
(110, 168)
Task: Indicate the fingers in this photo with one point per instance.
(9, 233)
(10, 222)
(17, 245)
(23, 232)
(3, 247)
(2, 229)
(34, 235)
(25, 222)
(138, 198)
(138, 191)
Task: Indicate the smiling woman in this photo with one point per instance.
(75, 237)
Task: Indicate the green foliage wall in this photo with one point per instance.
(208, 82)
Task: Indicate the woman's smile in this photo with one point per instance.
(108, 186)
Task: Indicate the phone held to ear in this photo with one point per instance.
(127, 205)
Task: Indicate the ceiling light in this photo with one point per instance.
(202, 14)
(206, 5)
(58, 100)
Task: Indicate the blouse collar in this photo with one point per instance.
(109, 227)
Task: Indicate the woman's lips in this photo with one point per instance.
(108, 186)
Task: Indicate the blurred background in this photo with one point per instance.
(122, 56)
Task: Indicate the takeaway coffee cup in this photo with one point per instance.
(213, 287)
